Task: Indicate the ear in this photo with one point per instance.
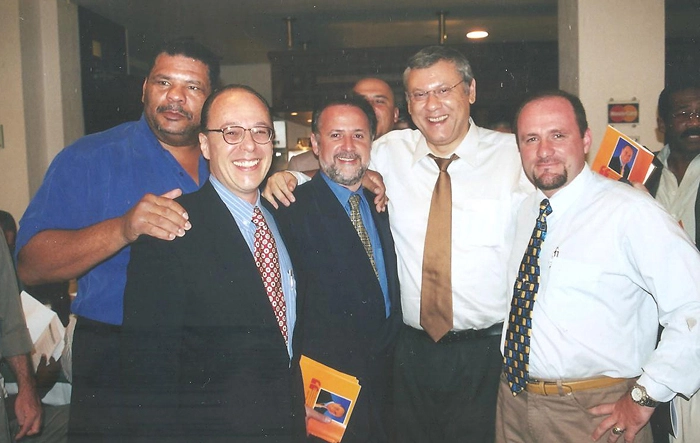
(472, 92)
(408, 103)
(587, 141)
(396, 114)
(143, 89)
(314, 144)
(204, 146)
(661, 125)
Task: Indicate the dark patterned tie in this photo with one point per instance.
(436, 283)
(517, 344)
(356, 220)
(267, 261)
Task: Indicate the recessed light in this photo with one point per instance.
(477, 34)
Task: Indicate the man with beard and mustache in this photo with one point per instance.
(99, 195)
(346, 265)
(379, 94)
(597, 265)
(675, 185)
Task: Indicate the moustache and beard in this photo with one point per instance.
(336, 173)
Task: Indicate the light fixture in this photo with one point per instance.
(477, 34)
(293, 114)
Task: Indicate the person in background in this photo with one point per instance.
(675, 185)
(15, 346)
(99, 195)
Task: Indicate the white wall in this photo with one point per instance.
(614, 50)
(41, 101)
(257, 76)
(14, 190)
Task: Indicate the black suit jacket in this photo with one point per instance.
(616, 166)
(344, 323)
(203, 357)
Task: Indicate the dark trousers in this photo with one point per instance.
(446, 392)
(95, 412)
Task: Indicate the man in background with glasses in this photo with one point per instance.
(209, 317)
(675, 185)
(99, 195)
(453, 191)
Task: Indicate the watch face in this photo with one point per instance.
(637, 394)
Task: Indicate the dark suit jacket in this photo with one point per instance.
(204, 359)
(616, 166)
(344, 323)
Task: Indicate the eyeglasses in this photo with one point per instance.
(686, 115)
(440, 93)
(234, 135)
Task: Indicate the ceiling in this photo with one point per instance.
(244, 31)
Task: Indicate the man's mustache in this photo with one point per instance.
(174, 108)
(690, 132)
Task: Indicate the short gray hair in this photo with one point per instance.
(427, 57)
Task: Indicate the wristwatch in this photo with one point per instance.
(639, 395)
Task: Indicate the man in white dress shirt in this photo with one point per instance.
(676, 188)
(445, 387)
(613, 265)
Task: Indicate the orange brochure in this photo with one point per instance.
(620, 157)
(331, 393)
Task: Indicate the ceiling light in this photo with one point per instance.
(293, 113)
(477, 34)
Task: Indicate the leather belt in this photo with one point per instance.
(458, 336)
(562, 387)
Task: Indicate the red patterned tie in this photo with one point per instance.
(267, 261)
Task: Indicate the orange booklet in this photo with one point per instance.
(333, 394)
(621, 157)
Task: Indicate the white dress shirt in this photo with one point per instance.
(679, 199)
(488, 185)
(613, 265)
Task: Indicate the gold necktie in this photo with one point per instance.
(356, 220)
(436, 286)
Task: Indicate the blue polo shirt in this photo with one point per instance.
(343, 195)
(102, 176)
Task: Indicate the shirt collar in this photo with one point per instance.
(341, 192)
(562, 200)
(234, 202)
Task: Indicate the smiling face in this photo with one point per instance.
(343, 144)
(683, 134)
(443, 121)
(552, 150)
(173, 95)
(243, 166)
(379, 94)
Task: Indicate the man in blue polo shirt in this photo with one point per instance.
(99, 195)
